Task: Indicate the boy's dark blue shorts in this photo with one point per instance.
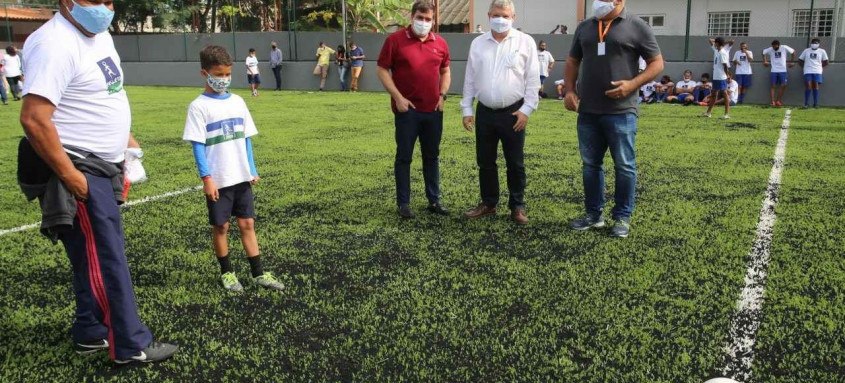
(235, 201)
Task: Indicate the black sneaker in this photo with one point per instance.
(587, 222)
(437, 208)
(406, 212)
(155, 352)
(90, 346)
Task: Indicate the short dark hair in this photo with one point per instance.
(719, 40)
(815, 41)
(214, 55)
(705, 75)
(422, 6)
(251, 50)
(775, 42)
(10, 49)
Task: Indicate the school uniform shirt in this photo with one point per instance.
(12, 65)
(499, 74)
(691, 84)
(777, 58)
(82, 77)
(222, 123)
(545, 58)
(720, 58)
(744, 60)
(733, 89)
(649, 89)
(813, 59)
(251, 65)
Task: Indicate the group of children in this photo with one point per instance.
(730, 88)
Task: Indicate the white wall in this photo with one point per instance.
(533, 16)
(768, 17)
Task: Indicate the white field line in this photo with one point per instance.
(746, 321)
(127, 204)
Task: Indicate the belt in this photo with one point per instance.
(508, 109)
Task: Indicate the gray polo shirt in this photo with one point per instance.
(628, 39)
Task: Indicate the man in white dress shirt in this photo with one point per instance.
(503, 74)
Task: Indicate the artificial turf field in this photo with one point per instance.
(374, 298)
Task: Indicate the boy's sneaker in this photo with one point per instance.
(155, 352)
(621, 228)
(231, 283)
(726, 117)
(587, 222)
(91, 346)
(269, 281)
(706, 115)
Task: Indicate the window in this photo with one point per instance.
(728, 23)
(656, 21)
(820, 25)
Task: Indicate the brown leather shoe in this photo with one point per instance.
(518, 216)
(479, 211)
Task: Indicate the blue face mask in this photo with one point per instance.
(95, 19)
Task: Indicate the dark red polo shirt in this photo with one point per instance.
(415, 66)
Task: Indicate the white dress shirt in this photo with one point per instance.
(500, 74)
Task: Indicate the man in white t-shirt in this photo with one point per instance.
(547, 62)
(813, 59)
(743, 59)
(76, 117)
(775, 57)
(684, 90)
(252, 75)
(720, 78)
(13, 70)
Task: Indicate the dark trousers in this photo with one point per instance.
(277, 73)
(428, 127)
(15, 86)
(491, 127)
(105, 302)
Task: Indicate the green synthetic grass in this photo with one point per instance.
(373, 298)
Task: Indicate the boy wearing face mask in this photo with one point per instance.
(219, 127)
(813, 60)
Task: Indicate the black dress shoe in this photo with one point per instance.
(437, 208)
(406, 212)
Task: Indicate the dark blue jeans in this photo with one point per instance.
(428, 127)
(596, 134)
(277, 73)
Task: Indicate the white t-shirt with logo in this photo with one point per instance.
(12, 65)
(251, 65)
(222, 123)
(813, 60)
(545, 59)
(685, 84)
(777, 58)
(744, 60)
(720, 58)
(649, 89)
(733, 89)
(82, 77)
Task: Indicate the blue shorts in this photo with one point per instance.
(778, 78)
(253, 79)
(744, 80)
(813, 77)
(720, 85)
(683, 96)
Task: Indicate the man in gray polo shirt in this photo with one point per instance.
(609, 46)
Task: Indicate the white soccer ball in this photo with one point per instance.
(721, 380)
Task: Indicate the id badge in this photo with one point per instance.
(601, 50)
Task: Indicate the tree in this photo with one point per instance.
(377, 15)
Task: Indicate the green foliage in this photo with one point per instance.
(374, 298)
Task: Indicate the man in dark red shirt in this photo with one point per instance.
(413, 66)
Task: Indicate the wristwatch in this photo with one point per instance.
(444, 95)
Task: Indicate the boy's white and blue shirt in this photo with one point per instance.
(219, 127)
